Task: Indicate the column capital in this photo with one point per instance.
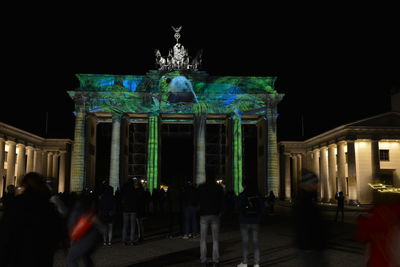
(29, 148)
(117, 116)
(62, 152)
(10, 142)
(20, 145)
(332, 145)
(323, 148)
(341, 142)
(315, 150)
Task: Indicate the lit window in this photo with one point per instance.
(384, 154)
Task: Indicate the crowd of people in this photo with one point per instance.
(37, 220)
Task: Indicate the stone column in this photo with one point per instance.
(341, 167)
(49, 172)
(54, 172)
(288, 193)
(29, 159)
(300, 163)
(62, 175)
(37, 160)
(262, 159)
(44, 162)
(21, 163)
(375, 162)
(2, 157)
(115, 151)
(272, 151)
(332, 171)
(309, 165)
(294, 175)
(78, 152)
(90, 167)
(10, 163)
(324, 173)
(200, 126)
(299, 168)
(352, 173)
(316, 170)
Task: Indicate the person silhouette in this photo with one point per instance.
(271, 201)
(340, 205)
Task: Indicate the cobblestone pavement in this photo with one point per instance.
(276, 244)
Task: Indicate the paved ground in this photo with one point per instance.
(276, 241)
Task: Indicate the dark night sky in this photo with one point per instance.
(333, 68)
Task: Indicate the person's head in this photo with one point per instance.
(309, 180)
(10, 189)
(33, 183)
(341, 193)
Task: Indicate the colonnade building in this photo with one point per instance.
(22, 152)
(352, 158)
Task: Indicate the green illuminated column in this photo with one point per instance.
(272, 152)
(152, 153)
(78, 152)
(115, 151)
(237, 154)
(200, 148)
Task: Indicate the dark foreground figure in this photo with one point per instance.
(31, 227)
(311, 232)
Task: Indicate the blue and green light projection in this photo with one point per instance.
(176, 92)
(189, 92)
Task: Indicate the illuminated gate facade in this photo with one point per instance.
(138, 106)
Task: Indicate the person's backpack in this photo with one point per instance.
(252, 206)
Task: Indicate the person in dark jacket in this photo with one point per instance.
(107, 211)
(31, 229)
(189, 203)
(8, 197)
(141, 209)
(310, 229)
(251, 209)
(340, 205)
(271, 201)
(129, 200)
(211, 198)
(174, 197)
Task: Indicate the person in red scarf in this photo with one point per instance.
(380, 229)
